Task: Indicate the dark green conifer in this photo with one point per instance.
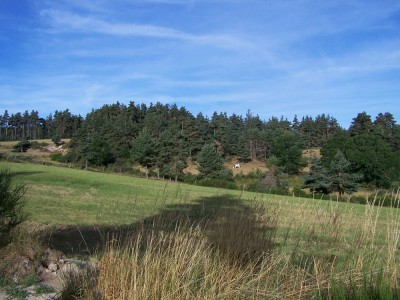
(210, 161)
(342, 181)
(317, 180)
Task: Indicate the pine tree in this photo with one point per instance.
(295, 123)
(373, 157)
(361, 124)
(317, 180)
(288, 148)
(11, 205)
(342, 181)
(210, 161)
(22, 146)
(144, 150)
(98, 151)
(4, 123)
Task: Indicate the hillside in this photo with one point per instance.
(78, 211)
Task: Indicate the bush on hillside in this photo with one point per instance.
(56, 156)
(38, 145)
(22, 146)
(189, 178)
(56, 139)
(11, 204)
(217, 183)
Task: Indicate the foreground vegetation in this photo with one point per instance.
(236, 254)
(154, 239)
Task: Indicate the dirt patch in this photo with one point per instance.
(312, 152)
(192, 167)
(245, 168)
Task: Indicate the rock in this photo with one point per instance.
(48, 296)
(3, 295)
(21, 268)
(30, 289)
(52, 267)
(69, 268)
(52, 256)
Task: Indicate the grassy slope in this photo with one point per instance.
(62, 196)
(67, 196)
(316, 241)
(327, 241)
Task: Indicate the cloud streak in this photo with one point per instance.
(64, 21)
(272, 57)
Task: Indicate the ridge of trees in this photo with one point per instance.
(164, 136)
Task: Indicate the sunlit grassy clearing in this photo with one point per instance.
(318, 243)
(58, 195)
(76, 197)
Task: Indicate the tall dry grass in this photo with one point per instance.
(238, 251)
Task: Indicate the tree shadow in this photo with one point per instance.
(26, 173)
(238, 230)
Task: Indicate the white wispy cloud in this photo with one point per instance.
(273, 57)
(62, 21)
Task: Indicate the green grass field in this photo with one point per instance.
(68, 197)
(58, 195)
(311, 245)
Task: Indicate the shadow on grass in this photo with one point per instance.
(235, 228)
(26, 173)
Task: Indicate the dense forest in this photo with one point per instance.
(164, 137)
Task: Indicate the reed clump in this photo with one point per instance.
(249, 251)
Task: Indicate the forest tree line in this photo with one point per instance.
(163, 137)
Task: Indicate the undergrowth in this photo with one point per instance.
(224, 249)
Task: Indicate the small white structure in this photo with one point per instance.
(236, 166)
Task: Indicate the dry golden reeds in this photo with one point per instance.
(245, 252)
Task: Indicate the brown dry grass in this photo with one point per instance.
(40, 155)
(192, 167)
(246, 168)
(184, 261)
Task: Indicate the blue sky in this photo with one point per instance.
(273, 58)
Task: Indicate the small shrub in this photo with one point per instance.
(16, 292)
(256, 187)
(217, 183)
(358, 199)
(279, 191)
(120, 166)
(28, 280)
(189, 178)
(255, 175)
(298, 192)
(80, 285)
(37, 145)
(56, 139)
(137, 172)
(11, 204)
(56, 157)
(224, 174)
(22, 146)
